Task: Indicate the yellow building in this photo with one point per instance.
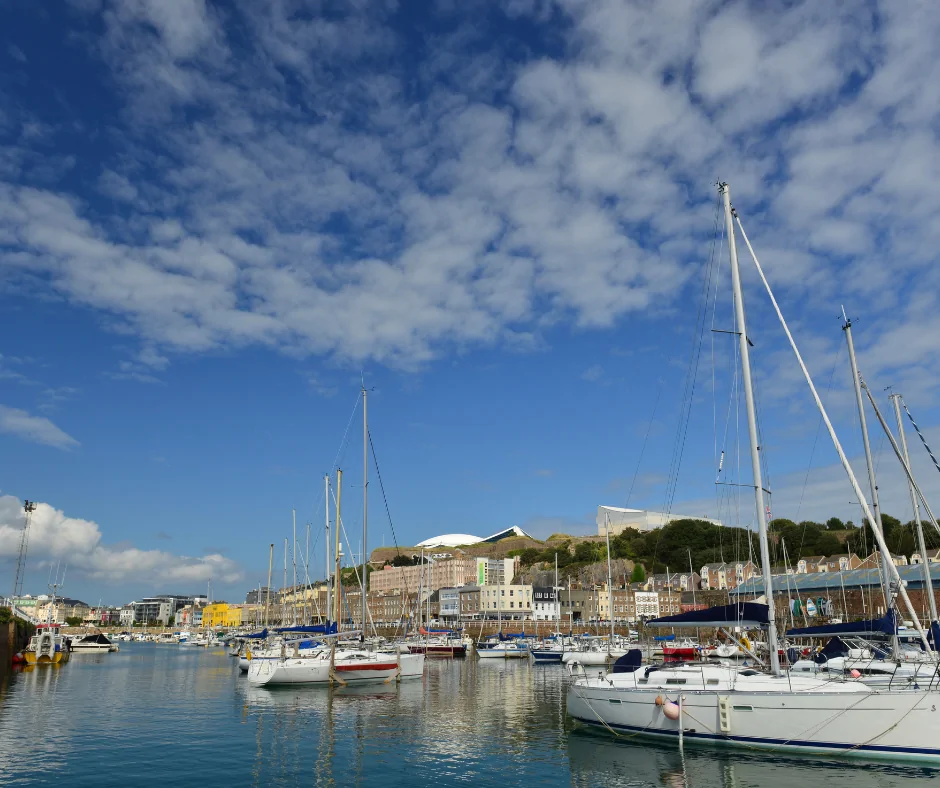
(221, 614)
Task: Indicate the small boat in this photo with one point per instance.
(97, 642)
(342, 667)
(684, 649)
(502, 650)
(47, 647)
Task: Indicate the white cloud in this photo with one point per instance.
(53, 536)
(36, 429)
(329, 200)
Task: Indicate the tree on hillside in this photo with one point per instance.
(638, 575)
(835, 524)
(827, 544)
(780, 523)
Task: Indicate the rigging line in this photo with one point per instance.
(388, 511)
(343, 445)
(812, 454)
(920, 435)
(688, 394)
(649, 427)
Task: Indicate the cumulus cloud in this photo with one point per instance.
(305, 182)
(36, 429)
(54, 536)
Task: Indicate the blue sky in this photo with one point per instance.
(214, 217)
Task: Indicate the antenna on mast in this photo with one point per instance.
(28, 508)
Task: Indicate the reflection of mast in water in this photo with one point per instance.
(259, 753)
(327, 741)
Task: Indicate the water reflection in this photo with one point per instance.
(165, 716)
(597, 759)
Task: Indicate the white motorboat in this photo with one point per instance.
(94, 643)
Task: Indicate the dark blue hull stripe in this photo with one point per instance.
(933, 754)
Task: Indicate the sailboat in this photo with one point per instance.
(727, 705)
(331, 662)
(603, 653)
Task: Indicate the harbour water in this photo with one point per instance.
(165, 715)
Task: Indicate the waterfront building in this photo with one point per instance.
(619, 519)
(933, 557)
(61, 609)
(447, 573)
(719, 576)
(222, 614)
(470, 605)
(506, 601)
(497, 571)
(577, 604)
(673, 581)
(159, 609)
(449, 604)
(545, 605)
(256, 596)
(126, 615)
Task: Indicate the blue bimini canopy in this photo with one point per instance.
(315, 629)
(258, 635)
(876, 627)
(739, 614)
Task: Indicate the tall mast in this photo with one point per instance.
(267, 593)
(284, 588)
(338, 552)
(869, 464)
(556, 602)
(921, 545)
(326, 500)
(364, 579)
(293, 557)
(610, 587)
(752, 429)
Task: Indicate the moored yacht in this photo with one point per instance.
(783, 711)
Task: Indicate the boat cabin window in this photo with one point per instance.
(712, 681)
(748, 672)
(675, 681)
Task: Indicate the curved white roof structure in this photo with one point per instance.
(449, 540)
(456, 540)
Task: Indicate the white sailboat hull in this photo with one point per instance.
(845, 719)
(317, 670)
(593, 658)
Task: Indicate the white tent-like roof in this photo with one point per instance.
(449, 540)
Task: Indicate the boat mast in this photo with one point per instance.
(556, 600)
(267, 593)
(752, 429)
(869, 464)
(921, 545)
(284, 588)
(610, 587)
(293, 556)
(847, 466)
(364, 580)
(338, 551)
(326, 501)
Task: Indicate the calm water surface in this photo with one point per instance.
(171, 716)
